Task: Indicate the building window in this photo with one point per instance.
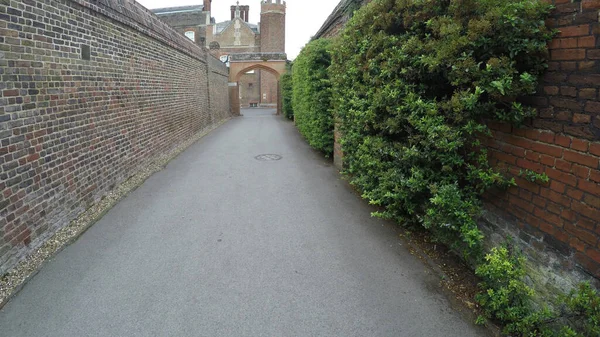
(191, 35)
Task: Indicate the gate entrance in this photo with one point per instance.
(273, 64)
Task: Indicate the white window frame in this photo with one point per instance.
(190, 34)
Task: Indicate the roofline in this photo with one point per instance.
(338, 12)
(231, 21)
(181, 9)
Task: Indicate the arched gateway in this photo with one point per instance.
(239, 64)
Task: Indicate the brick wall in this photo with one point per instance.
(558, 223)
(72, 128)
(219, 94)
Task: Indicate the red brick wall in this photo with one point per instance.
(71, 129)
(268, 88)
(563, 142)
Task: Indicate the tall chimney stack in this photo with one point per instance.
(245, 13)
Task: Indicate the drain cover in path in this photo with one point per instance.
(268, 157)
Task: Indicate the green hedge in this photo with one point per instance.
(312, 95)
(286, 92)
(413, 83)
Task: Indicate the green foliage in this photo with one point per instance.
(534, 176)
(312, 95)
(506, 297)
(508, 300)
(583, 311)
(286, 93)
(413, 83)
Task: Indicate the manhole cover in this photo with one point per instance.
(267, 157)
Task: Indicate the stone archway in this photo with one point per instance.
(239, 64)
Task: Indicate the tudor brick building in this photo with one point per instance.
(234, 36)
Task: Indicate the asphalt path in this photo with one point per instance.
(222, 244)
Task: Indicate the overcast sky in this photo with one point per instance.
(303, 18)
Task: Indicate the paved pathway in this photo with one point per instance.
(221, 244)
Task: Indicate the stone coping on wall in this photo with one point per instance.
(138, 17)
(217, 66)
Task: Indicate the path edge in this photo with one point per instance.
(15, 279)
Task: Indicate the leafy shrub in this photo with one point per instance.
(583, 312)
(312, 95)
(414, 82)
(286, 93)
(507, 298)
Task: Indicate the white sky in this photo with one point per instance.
(303, 18)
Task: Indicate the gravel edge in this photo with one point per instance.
(15, 279)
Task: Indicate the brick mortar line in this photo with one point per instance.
(17, 277)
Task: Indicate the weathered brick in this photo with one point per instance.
(589, 186)
(574, 31)
(593, 107)
(557, 186)
(592, 199)
(568, 66)
(580, 158)
(590, 4)
(579, 131)
(593, 54)
(563, 165)
(587, 93)
(546, 137)
(70, 130)
(586, 42)
(568, 91)
(574, 193)
(547, 149)
(585, 210)
(581, 171)
(577, 244)
(580, 145)
(587, 263)
(593, 254)
(547, 228)
(551, 90)
(562, 141)
(595, 149)
(547, 160)
(587, 65)
(556, 197)
(568, 54)
(584, 79)
(581, 118)
(582, 234)
(595, 176)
